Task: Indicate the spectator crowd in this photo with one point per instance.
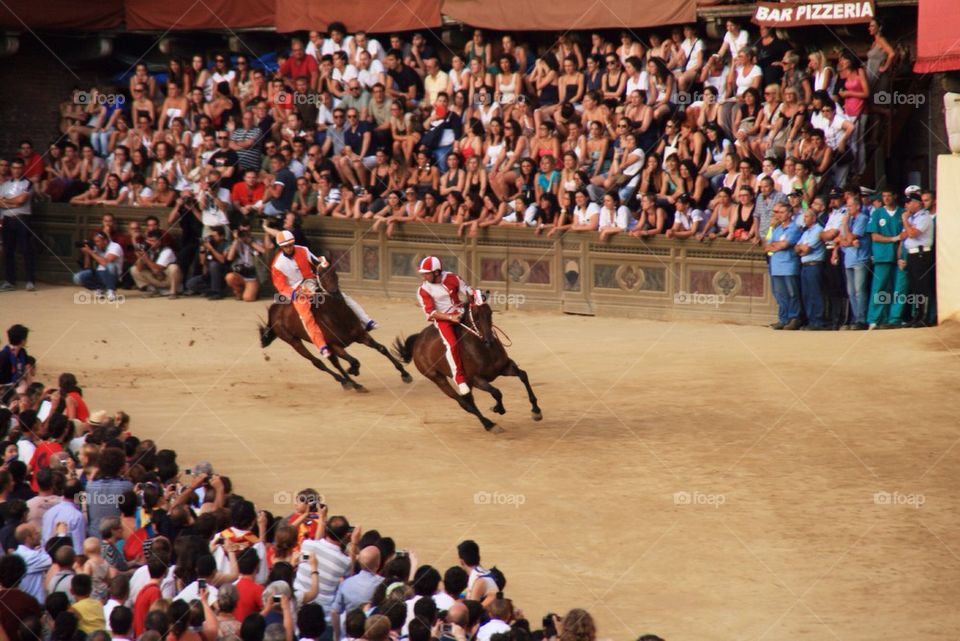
(664, 137)
(104, 537)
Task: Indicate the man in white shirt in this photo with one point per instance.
(160, 549)
(206, 570)
(36, 559)
(156, 267)
(105, 258)
(15, 195)
(501, 612)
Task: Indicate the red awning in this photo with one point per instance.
(196, 14)
(61, 14)
(938, 41)
(566, 15)
(357, 15)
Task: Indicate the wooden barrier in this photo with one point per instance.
(661, 279)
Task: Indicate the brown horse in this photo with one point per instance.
(484, 359)
(340, 326)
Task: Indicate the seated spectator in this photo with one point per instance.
(104, 264)
(156, 267)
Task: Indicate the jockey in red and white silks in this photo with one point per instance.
(443, 295)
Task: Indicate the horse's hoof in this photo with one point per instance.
(496, 429)
(537, 416)
(498, 410)
(354, 371)
(360, 389)
(406, 378)
(347, 386)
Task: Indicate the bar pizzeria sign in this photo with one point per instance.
(800, 14)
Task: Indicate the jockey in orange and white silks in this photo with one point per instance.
(294, 264)
(443, 295)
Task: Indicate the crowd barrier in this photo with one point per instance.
(576, 273)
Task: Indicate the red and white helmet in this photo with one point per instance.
(430, 264)
(285, 237)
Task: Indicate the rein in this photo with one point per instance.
(498, 333)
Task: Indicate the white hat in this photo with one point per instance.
(285, 237)
(912, 188)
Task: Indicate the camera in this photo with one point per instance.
(137, 247)
(201, 584)
(84, 243)
(210, 239)
(190, 202)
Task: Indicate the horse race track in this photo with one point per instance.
(699, 481)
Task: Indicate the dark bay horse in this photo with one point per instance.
(340, 326)
(484, 359)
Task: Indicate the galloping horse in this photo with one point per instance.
(340, 326)
(484, 359)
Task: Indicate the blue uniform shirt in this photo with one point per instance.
(811, 238)
(923, 221)
(853, 256)
(784, 262)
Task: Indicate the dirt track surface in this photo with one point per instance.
(697, 481)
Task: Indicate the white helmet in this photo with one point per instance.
(430, 264)
(285, 238)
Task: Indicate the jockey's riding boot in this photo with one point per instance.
(325, 351)
(371, 325)
(463, 389)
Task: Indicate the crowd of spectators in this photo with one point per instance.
(104, 537)
(664, 137)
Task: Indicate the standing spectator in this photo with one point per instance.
(855, 244)
(89, 611)
(48, 482)
(15, 604)
(282, 189)
(15, 195)
(332, 562)
(105, 492)
(242, 256)
(121, 623)
(13, 356)
(67, 512)
(885, 228)
(148, 595)
(35, 558)
(812, 254)
(767, 198)
(250, 592)
(213, 264)
(111, 535)
(917, 253)
(784, 268)
(357, 589)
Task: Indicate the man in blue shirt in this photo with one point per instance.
(784, 268)
(812, 253)
(855, 245)
(918, 249)
(358, 155)
(884, 228)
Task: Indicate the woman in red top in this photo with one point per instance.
(855, 91)
(285, 547)
(71, 399)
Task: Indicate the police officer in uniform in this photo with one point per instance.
(834, 283)
(810, 249)
(885, 227)
(918, 252)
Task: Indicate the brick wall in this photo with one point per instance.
(35, 83)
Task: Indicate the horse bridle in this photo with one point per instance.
(468, 318)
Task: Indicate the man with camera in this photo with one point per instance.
(213, 263)
(156, 266)
(214, 201)
(104, 264)
(186, 212)
(242, 256)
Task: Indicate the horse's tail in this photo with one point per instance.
(267, 335)
(404, 347)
